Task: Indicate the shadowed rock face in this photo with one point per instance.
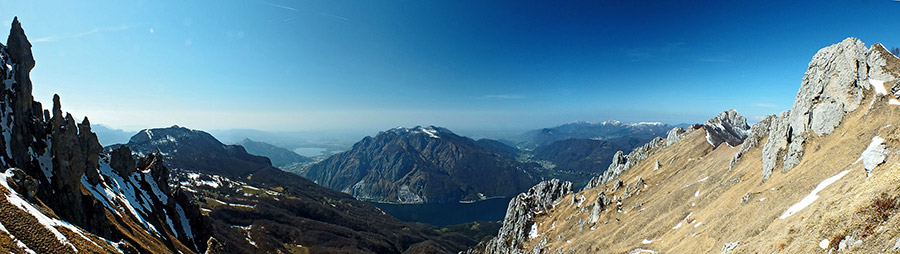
(62, 165)
(422, 165)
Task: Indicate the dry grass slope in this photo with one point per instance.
(693, 204)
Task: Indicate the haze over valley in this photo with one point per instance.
(450, 127)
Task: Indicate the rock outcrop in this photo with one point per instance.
(518, 225)
(621, 162)
(58, 163)
(834, 85)
(728, 127)
(756, 133)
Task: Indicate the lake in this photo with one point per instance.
(448, 214)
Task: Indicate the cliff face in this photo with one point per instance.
(836, 190)
(422, 165)
(59, 178)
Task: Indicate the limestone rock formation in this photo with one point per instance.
(728, 127)
(57, 163)
(833, 86)
(519, 221)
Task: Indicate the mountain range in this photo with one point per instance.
(171, 190)
(424, 165)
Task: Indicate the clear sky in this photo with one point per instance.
(319, 65)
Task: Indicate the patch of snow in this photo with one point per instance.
(431, 132)
(639, 250)
(762, 199)
(533, 232)
(893, 102)
(241, 205)
(113, 188)
(185, 223)
(212, 184)
(19, 243)
(677, 226)
(824, 243)
(251, 187)
(171, 225)
(644, 124)
(698, 181)
(580, 201)
(698, 224)
(46, 221)
(809, 199)
(646, 241)
(878, 85)
(697, 194)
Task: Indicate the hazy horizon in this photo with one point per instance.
(488, 66)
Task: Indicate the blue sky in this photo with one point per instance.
(337, 65)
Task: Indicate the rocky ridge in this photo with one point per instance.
(832, 87)
(698, 184)
(518, 223)
(62, 179)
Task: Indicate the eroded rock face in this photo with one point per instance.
(122, 161)
(832, 86)
(728, 127)
(517, 225)
(756, 133)
(835, 83)
(59, 165)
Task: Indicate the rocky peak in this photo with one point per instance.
(838, 78)
(518, 225)
(832, 86)
(60, 163)
(727, 127)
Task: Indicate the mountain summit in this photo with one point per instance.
(422, 165)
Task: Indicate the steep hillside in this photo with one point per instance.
(821, 177)
(62, 194)
(423, 164)
(281, 157)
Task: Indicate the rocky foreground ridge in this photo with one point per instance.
(62, 194)
(835, 190)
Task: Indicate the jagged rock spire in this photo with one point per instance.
(727, 127)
